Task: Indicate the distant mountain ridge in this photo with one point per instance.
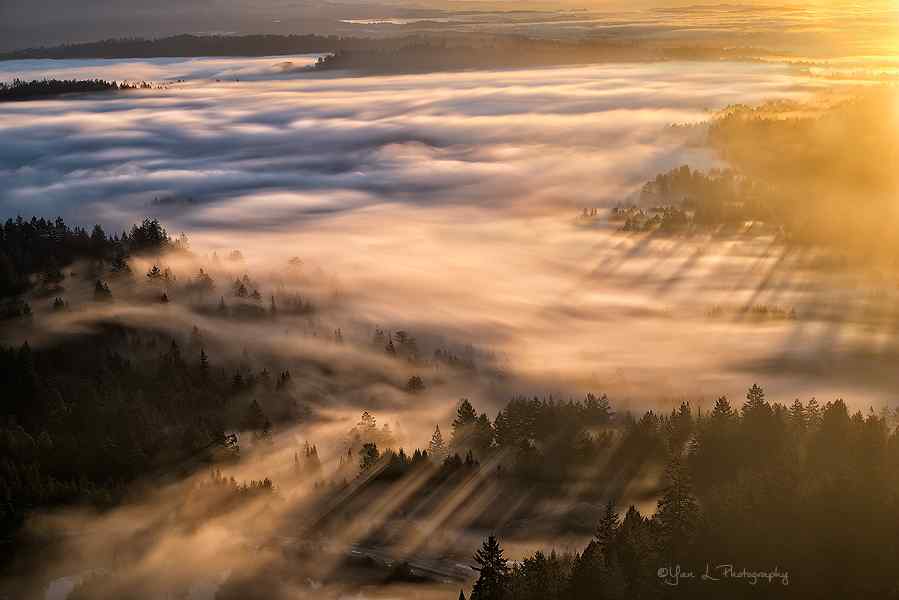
(412, 53)
(196, 45)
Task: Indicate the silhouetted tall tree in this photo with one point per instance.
(493, 572)
(678, 510)
(463, 425)
(437, 448)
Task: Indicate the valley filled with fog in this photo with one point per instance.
(403, 187)
(388, 245)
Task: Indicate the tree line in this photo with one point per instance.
(419, 52)
(83, 419)
(766, 500)
(202, 45)
(34, 252)
(762, 485)
(790, 170)
(18, 90)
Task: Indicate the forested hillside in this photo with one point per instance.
(777, 490)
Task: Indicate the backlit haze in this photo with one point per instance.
(458, 206)
(447, 204)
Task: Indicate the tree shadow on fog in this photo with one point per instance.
(686, 267)
(609, 265)
(791, 277)
(665, 255)
(762, 286)
(746, 274)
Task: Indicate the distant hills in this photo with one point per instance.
(195, 45)
(414, 53)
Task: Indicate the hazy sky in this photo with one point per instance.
(817, 25)
(444, 204)
(447, 205)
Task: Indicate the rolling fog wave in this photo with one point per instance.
(446, 204)
(213, 149)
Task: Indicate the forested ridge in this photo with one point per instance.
(33, 252)
(409, 53)
(90, 417)
(86, 416)
(427, 54)
(193, 45)
(19, 90)
(764, 499)
(791, 170)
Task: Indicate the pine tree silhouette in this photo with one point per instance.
(493, 578)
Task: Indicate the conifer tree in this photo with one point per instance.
(437, 447)
(119, 263)
(482, 436)
(368, 455)
(678, 510)
(797, 416)
(608, 527)
(465, 414)
(723, 412)
(313, 463)
(755, 404)
(493, 572)
(463, 424)
(415, 384)
(812, 414)
(254, 418)
(155, 273)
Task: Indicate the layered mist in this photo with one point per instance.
(387, 246)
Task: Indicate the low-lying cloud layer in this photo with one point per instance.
(268, 152)
(442, 202)
(445, 204)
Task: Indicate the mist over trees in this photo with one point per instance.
(42, 247)
(819, 189)
(783, 497)
(814, 173)
(761, 498)
(89, 416)
(18, 90)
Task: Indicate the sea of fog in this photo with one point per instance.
(447, 204)
(232, 136)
